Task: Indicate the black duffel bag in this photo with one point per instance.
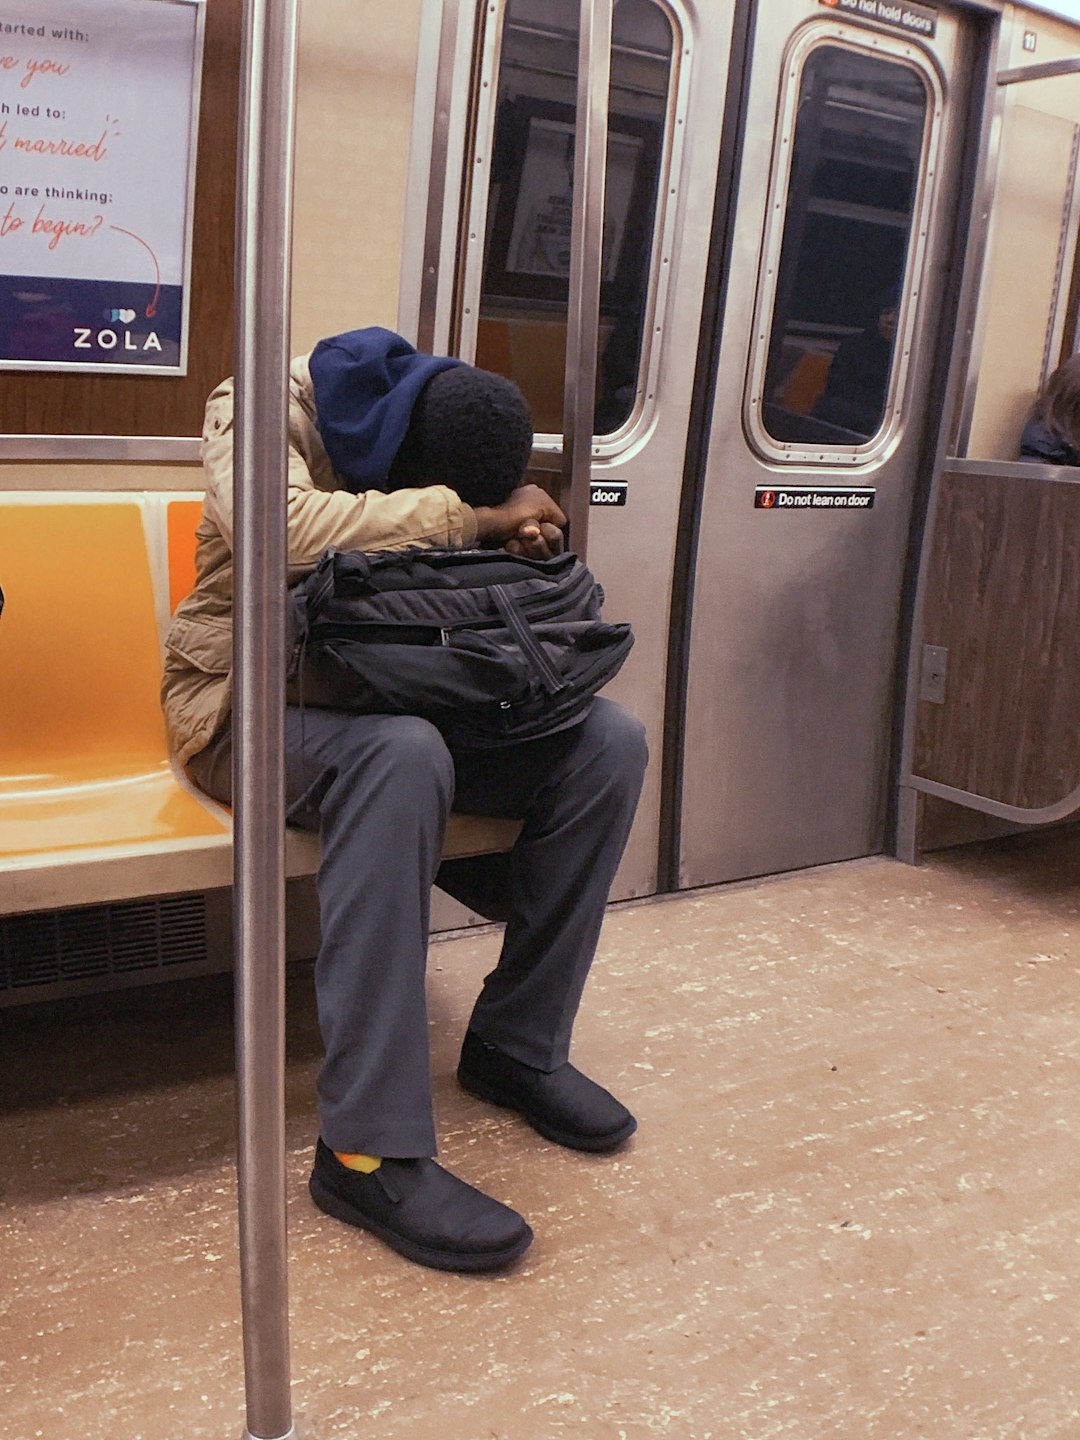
(491, 648)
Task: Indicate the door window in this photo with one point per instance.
(841, 259)
(525, 286)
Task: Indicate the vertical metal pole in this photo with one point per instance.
(434, 223)
(586, 261)
(264, 216)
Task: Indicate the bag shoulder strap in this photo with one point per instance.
(519, 627)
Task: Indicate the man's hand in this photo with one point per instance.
(538, 542)
(529, 523)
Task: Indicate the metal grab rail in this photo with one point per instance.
(586, 261)
(1044, 70)
(264, 226)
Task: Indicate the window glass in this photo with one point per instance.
(860, 122)
(525, 288)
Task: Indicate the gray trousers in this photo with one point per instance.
(378, 789)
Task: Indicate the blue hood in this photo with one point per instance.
(366, 383)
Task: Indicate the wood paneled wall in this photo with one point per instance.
(1004, 600)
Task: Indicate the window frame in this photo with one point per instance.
(861, 40)
(662, 250)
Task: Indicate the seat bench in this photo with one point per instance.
(93, 809)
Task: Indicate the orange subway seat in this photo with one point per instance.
(806, 383)
(493, 347)
(182, 519)
(83, 756)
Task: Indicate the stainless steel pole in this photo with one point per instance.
(264, 226)
(586, 261)
(427, 336)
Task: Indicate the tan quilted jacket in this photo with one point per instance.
(196, 688)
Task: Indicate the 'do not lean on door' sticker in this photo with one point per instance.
(804, 497)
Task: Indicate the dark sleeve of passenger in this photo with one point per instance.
(1047, 444)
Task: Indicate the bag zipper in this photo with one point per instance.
(537, 610)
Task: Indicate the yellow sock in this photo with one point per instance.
(364, 1163)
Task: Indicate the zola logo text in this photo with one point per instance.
(86, 338)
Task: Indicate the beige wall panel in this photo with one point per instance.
(1018, 289)
(1054, 40)
(357, 65)
(29, 475)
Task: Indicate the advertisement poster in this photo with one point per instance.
(98, 122)
(540, 238)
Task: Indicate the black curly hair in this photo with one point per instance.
(470, 430)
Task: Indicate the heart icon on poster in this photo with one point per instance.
(127, 316)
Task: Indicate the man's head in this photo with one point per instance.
(1059, 401)
(888, 312)
(886, 323)
(470, 430)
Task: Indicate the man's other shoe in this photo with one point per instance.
(421, 1211)
(563, 1105)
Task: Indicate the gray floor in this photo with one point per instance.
(851, 1208)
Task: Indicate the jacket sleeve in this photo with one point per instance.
(318, 518)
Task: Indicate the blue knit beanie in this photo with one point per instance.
(393, 419)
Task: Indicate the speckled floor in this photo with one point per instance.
(852, 1208)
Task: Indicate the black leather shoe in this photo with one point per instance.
(562, 1105)
(421, 1211)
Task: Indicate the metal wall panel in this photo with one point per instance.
(796, 611)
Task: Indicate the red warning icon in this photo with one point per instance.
(768, 499)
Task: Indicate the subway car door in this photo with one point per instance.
(845, 228)
(487, 263)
